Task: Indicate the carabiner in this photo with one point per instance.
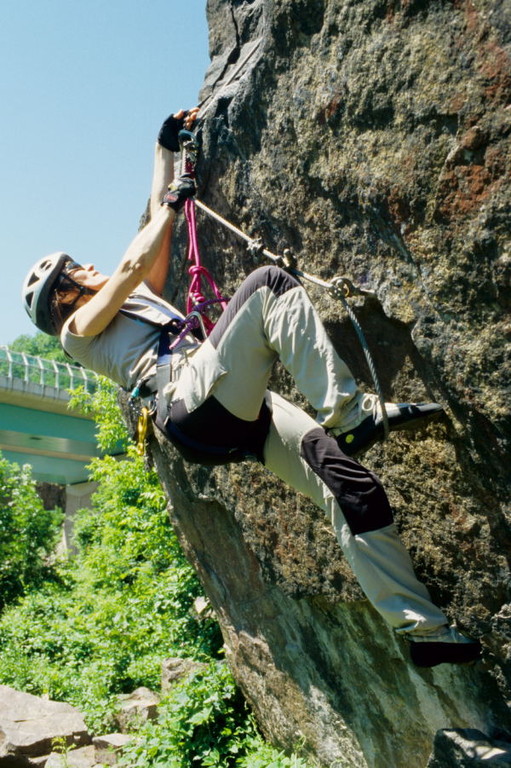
(142, 429)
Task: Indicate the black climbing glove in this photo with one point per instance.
(179, 191)
(168, 136)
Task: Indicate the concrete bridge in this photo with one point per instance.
(36, 425)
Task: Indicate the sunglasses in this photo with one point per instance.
(65, 282)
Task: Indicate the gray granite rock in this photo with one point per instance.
(85, 757)
(110, 746)
(29, 725)
(136, 707)
(173, 670)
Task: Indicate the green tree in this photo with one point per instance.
(40, 345)
(28, 532)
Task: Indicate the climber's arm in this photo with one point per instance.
(163, 173)
(167, 144)
(93, 317)
(148, 247)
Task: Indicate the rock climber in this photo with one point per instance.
(213, 402)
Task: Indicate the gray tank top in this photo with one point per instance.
(126, 351)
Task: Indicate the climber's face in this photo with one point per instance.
(77, 284)
(88, 276)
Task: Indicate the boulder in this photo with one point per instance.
(202, 608)
(85, 757)
(29, 725)
(137, 707)
(109, 747)
(176, 669)
(372, 138)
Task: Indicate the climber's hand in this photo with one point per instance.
(190, 118)
(178, 192)
(168, 135)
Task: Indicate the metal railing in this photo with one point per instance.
(46, 373)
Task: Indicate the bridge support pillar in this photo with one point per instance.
(78, 496)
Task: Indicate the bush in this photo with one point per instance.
(123, 603)
(28, 533)
(204, 723)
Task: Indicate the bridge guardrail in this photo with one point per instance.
(46, 373)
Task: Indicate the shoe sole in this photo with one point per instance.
(427, 655)
(413, 422)
(378, 434)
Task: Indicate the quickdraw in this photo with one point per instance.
(144, 420)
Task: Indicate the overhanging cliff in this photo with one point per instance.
(371, 137)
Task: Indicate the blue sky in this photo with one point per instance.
(84, 88)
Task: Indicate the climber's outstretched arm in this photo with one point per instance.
(163, 174)
(147, 248)
(93, 317)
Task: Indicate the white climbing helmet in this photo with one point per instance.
(37, 289)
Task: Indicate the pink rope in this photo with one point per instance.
(197, 272)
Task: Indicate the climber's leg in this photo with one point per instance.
(271, 317)
(308, 460)
(352, 497)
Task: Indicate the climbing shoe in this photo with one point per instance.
(447, 646)
(370, 428)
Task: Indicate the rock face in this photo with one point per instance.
(372, 137)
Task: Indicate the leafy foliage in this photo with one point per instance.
(111, 433)
(204, 722)
(124, 603)
(28, 533)
(40, 345)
